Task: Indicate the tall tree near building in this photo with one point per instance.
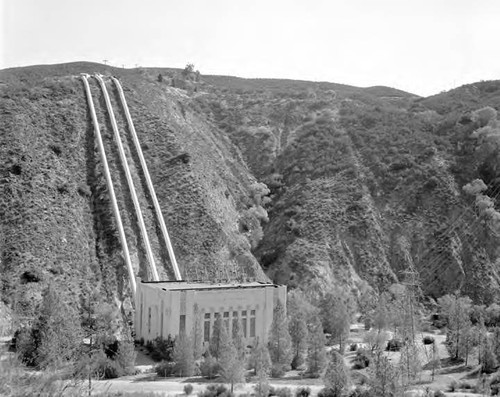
(260, 359)
(336, 377)
(237, 335)
(183, 356)
(316, 354)
(219, 333)
(232, 367)
(99, 326)
(197, 333)
(298, 310)
(280, 342)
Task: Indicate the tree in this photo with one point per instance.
(488, 360)
(237, 335)
(336, 377)
(261, 363)
(381, 315)
(383, 377)
(197, 334)
(298, 309)
(183, 356)
(336, 311)
(279, 339)
(108, 352)
(435, 360)
(456, 310)
(260, 359)
(59, 337)
(188, 70)
(219, 333)
(231, 363)
(316, 354)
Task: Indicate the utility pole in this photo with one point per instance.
(105, 61)
(411, 285)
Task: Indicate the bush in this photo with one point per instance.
(215, 391)
(303, 392)
(188, 389)
(453, 386)
(439, 393)
(362, 359)
(353, 347)
(161, 349)
(209, 367)
(277, 371)
(25, 342)
(360, 391)
(494, 384)
(428, 340)
(394, 345)
(165, 368)
(280, 391)
(327, 392)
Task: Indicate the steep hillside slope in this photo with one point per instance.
(367, 184)
(361, 185)
(56, 220)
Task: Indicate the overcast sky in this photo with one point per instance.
(421, 46)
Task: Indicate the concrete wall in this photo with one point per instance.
(158, 311)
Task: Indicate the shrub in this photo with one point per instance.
(439, 393)
(428, 340)
(453, 386)
(394, 345)
(162, 349)
(353, 347)
(165, 368)
(303, 392)
(215, 391)
(188, 389)
(360, 391)
(280, 391)
(327, 392)
(494, 384)
(277, 371)
(362, 359)
(209, 367)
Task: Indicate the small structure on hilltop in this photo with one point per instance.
(170, 307)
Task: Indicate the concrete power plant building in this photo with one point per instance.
(170, 308)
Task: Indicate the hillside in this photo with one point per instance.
(364, 183)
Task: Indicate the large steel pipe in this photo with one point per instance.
(111, 190)
(130, 182)
(149, 183)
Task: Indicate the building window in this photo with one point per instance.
(252, 324)
(226, 320)
(149, 320)
(244, 322)
(182, 324)
(206, 328)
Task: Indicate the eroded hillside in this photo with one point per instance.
(362, 184)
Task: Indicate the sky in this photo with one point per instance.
(420, 46)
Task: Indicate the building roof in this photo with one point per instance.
(195, 285)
